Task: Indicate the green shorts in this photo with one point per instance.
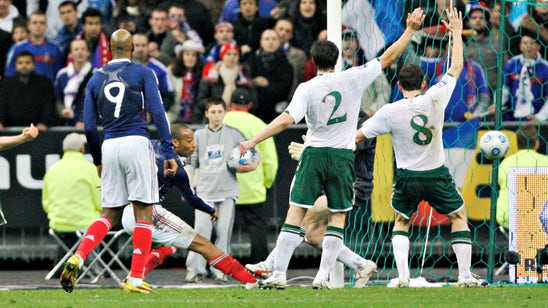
(324, 170)
(434, 186)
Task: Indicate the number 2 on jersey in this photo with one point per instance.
(423, 135)
(337, 96)
(115, 99)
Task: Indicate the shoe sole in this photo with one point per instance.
(66, 280)
(359, 283)
(268, 287)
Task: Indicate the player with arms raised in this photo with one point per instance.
(122, 93)
(330, 103)
(415, 124)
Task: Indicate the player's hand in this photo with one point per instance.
(454, 21)
(415, 19)
(30, 133)
(248, 166)
(170, 167)
(215, 215)
(246, 145)
(296, 150)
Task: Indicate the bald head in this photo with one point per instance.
(121, 43)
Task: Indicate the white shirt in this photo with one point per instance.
(416, 126)
(330, 104)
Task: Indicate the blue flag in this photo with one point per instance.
(464, 135)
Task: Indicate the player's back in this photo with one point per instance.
(118, 91)
(331, 104)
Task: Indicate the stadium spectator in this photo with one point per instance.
(253, 185)
(8, 142)
(221, 79)
(295, 56)
(131, 15)
(272, 76)
(309, 21)
(53, 12)
(525, 88)
(19, 33)
(198, 17)
(178, 31)
(9, 15)
(512, 39)
(106, 7)
(224, 34)
(157, 33)
(125, 158)
(536, 22)
(97, 40)
(141, 56)
(526, 156)
(183, 236)
(420, 173)
(325, 139)
(47, 55)
(249, 26)
(215, 183)
(26, 97)
(71, 200)
(231, 9)
(481, 47)
(70, 85)
(185, 73)
(70, 28)
(315, 220)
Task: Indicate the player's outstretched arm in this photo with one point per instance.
(28, 134)
(454, 24)
(414, 23)
(277, 125)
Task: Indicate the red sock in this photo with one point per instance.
(156, 258)
(232, 267)
(142, 242)
(95, 233)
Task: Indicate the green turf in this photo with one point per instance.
(499, 296)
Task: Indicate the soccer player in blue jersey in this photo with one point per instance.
(170, 231)
(121, 93)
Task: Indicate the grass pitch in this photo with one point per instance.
(376, 296)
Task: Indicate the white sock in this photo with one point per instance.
(287, 241)
(464, 256)
(269, 262)
(400, 246)
(331, 246)
(350, 258)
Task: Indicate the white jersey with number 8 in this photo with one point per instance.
(415, 125)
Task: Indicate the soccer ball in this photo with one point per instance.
(494, 145)
(234, 158)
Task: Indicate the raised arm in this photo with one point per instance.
(28, 134)
(457, 55)
(414, 23)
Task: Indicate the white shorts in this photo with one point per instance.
(129, 171)
(168, 229)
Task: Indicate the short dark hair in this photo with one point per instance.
(91, 12)
(24, 53)
(324, 54)
(176, 129)
(67, 3)
(527, 136)
(215, 100)
(411, 77)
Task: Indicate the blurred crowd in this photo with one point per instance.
(200, 49)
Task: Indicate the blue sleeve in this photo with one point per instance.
(182, 183)
(154, 105)
(90, 125)
(228, 14)
(10, 66)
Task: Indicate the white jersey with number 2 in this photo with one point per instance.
(330, 104)
(415, 125)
